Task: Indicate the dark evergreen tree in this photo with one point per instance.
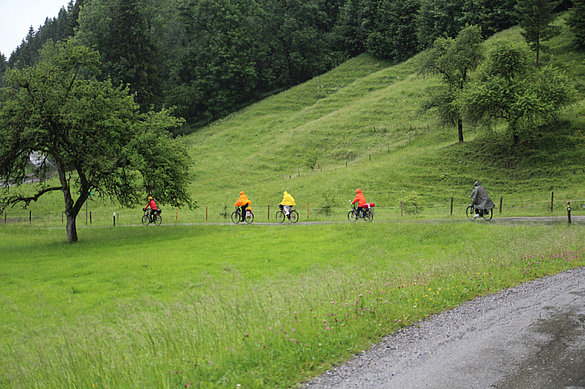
(491, 15)
(535, 18)
(576, 22)
(393, 33)
(439, 18)
(117, 29)
(349, 28)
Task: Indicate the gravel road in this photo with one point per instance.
(530, 336)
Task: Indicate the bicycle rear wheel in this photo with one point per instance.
(294, 216)
(368, 216)
(352, 216)
(470, 212)
(236, 217)
(488, 214)
(249, 218)
(280, 216)
(157, 219)
(145, 220)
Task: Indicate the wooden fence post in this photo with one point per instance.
(206, 213)
(552, 198)
(451, 205)
(569, 211)
(268, 212)
(401, 214)
(90, 217)
(501, 203)
(307, 210)
(30, 216)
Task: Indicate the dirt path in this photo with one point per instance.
(531, 336)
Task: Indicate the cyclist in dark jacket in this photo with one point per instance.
(481, 199)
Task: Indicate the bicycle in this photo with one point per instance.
(366, 213)
(487, 214)
(156, 218)
(237, 215)
(293, 216)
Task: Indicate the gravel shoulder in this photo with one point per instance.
(530, 336)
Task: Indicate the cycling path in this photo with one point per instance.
(530, 336)
(495, 220)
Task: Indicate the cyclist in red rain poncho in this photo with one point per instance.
(360, 199)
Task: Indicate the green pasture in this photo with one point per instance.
(263, 306)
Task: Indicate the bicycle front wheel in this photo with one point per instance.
(280, 216)
(145, 220)
(470, 212)
(488, 214)
(352, 216)
(236, 217)
(157, 219)
(249, 218)
(294, 216)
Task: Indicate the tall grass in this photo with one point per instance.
(259, 306)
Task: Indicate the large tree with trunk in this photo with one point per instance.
(91, 132)
(452, 59)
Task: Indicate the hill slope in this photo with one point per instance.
(360, 123)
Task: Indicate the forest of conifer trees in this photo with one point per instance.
(208, 58)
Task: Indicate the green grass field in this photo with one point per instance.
(267, 306)
(260, 306)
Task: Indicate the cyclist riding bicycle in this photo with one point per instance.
(287, 203)
(481, 200)
(243, 202)
(361, 200)
(152, 205)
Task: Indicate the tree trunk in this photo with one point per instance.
(71, 229)
(70, 212)
(460, 129)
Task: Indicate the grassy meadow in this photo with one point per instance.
(260, 306)
(213, 305)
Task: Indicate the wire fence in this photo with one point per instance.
(307, 212)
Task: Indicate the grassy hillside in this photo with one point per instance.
(363, 115)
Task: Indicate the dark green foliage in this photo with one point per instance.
(576, 22)
(535, 18)
(123, 38)
(392, 32)
(439, 18)
(350, 30)
(491, 15)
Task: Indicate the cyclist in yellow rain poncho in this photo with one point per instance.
(287, 202)
(243, 202)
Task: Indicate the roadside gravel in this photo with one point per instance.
(530, 336)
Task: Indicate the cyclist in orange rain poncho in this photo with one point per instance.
(243, 203)
(360, 199)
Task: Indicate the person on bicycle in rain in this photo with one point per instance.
(152, 205)
(287, 203)
(361, 200)
(481, 199)
(243, 202)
